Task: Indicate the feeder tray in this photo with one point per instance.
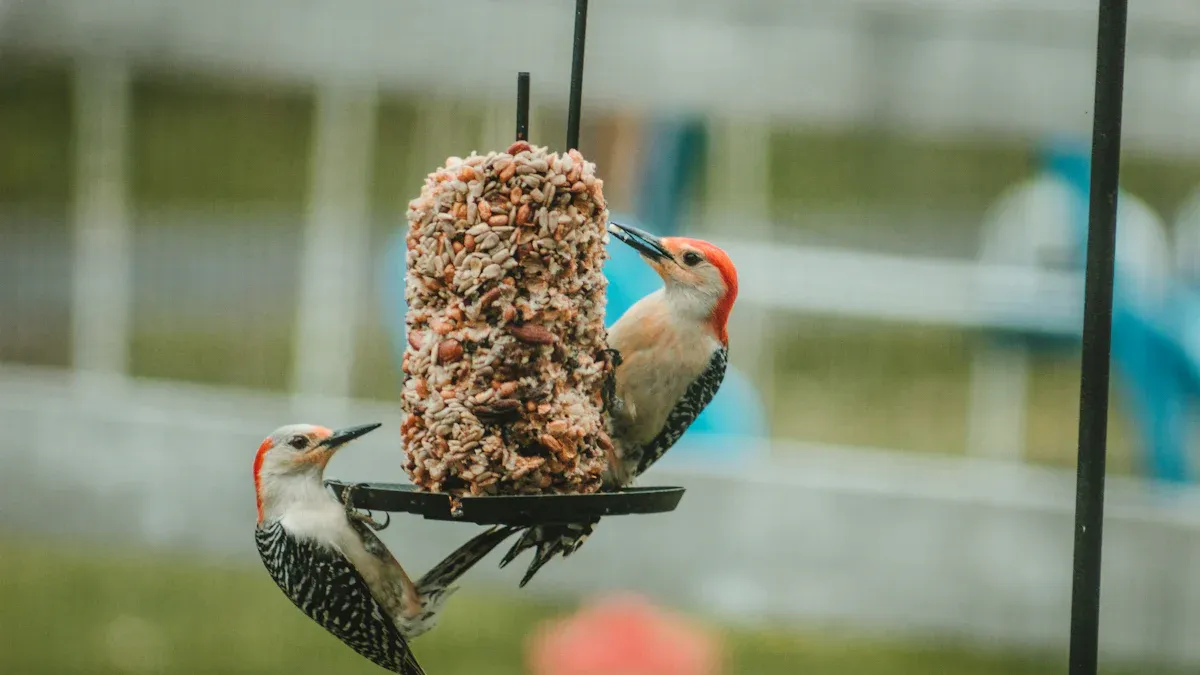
(521, 510)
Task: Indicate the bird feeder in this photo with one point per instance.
(560, 483)
(1094, 381)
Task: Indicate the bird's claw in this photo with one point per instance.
(348, 497)
(386, 521)
(375, 524)
(608, 392)
(367, 518)
(614, 356)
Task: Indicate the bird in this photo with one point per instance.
(671, 349)
(326, 558)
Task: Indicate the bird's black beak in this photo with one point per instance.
(641, 241)
(343, 436)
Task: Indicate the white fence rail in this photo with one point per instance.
(955, 293)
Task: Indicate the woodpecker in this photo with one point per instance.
(671, 349)
(325, 557)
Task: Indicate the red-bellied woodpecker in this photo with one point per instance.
(672, 348)
(327, 560)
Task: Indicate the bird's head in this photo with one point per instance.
(700, 279)
(291, 461)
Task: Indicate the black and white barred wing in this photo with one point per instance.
(327, 588)
(442, 577)
(697, 397)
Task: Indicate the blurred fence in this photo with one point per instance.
(919, 547)
(921, 65)
(278, 304)
(219, 298)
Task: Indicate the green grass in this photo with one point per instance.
(84, 611)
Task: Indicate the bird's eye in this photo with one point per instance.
(691, 258)
(298, 442)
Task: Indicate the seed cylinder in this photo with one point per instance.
(506, 362)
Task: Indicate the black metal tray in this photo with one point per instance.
(510, 509)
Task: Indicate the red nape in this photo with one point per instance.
(258, 462)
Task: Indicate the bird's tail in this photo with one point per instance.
(438, 580)
(548, 540)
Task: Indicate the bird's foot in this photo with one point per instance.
(614, 356)
(367, 518)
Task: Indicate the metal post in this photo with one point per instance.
(1097, 336)
(522, 106)
(573, 113)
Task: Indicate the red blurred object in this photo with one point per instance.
(624, 635)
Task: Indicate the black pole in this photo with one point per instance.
(1097, 337)
(581, 7)
(522, 106)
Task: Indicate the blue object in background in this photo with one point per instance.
(1147, 347)
(676, 146)
(675, 149)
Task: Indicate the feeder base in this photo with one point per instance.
(520, 510)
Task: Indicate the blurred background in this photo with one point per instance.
(199, 206)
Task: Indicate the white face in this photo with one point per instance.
(294, 449)
(693, 282)
(289, 467)
(291, 461)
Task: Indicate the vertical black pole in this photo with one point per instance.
(522, 106)
(1097, 337)
(581, 7)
